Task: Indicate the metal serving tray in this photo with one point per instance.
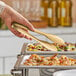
(22, 58)
(25, 51)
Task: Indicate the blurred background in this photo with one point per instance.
(54, 12)
(51, 16)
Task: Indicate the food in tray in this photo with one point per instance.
(37, 60)
(39, 47)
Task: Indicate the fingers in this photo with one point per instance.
(28, 24)
(11, 15)
(15, 16)
(20, 19)
(18, 33)
(8, 23)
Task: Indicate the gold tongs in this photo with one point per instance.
(48, 45)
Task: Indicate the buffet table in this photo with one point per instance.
(11, 45)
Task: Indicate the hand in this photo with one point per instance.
(9, 16)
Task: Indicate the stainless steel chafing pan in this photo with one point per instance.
(25, 51)
(22, 58)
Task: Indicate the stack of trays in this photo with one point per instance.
(25, 55)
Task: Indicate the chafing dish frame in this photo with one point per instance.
(24, 70)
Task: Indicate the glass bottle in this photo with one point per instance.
(52, 13)
(68, 15)
(59, 12)
(44, 7)
(65, 8)
(62, 9)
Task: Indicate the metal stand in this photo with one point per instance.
(16, 72)
(25, 72)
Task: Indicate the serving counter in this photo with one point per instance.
(11, 45)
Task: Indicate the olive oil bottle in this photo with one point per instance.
(44, 7)
(68, 19)
(65, 18)
(59, 12)
(62, 13)
(52, 13)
